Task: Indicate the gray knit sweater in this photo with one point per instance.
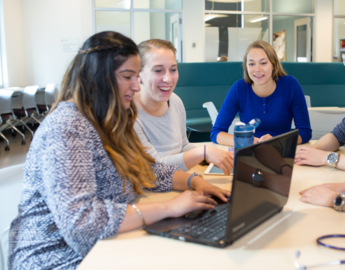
(72, 194)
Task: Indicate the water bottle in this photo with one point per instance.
(244, 133)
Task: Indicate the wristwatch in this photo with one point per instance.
(332, 159)
(257, 177)
(339, 201)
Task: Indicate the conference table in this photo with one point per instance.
(272, 245)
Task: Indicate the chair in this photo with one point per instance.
(10, 192)
(307, 100)
(213, 112)
(7, 117)
(324, 120)
(29, 110)
(49, 95)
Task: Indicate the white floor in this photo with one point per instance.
(17, 153)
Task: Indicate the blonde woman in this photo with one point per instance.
(86, 165)
(161, 122)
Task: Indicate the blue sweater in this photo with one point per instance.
(275, 111)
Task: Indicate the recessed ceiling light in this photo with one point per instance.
(212, 16)
(257, 19)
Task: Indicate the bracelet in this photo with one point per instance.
(281, 168)
(139, 213)
(190, 178)
(205, 152)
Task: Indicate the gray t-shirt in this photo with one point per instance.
(339, 132)
(165, 136)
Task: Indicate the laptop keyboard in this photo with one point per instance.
(211, 225)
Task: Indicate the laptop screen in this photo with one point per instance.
(261, 184)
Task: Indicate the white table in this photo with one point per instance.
(272, 245)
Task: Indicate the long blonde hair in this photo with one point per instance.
(90, 80)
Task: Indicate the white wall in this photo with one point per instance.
(13, 62)
(323, 31)
(40, 26)
(193, 31)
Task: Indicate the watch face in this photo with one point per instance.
(338, 200)
(257, 177)
(333, 157)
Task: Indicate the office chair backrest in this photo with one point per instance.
(49, 94)
(307, 100)
(212, 111)
(29, 97)
(10, 192)
(5, 101)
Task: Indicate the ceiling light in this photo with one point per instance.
(258, 19)
(212, 16)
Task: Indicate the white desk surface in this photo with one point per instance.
(272, 245)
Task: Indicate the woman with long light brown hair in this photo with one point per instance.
(86, 165)
(266, 92)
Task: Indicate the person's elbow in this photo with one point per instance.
(306, 135)
(214, 134)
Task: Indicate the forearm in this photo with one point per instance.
(193, 157)
(299, 140)
(151, 213)
(180, 180)
(341, 163)
(225, 138)
(327, 143)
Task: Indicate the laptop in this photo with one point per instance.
(260, 189)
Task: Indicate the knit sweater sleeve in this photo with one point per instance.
(71, 190)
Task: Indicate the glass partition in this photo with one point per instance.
(118, 21)
(297, 38)
(148, 25)
(293, 6)
(113, 4)
(339, 39)
(231, 34)
(158, 4)
(339, 7)
(238, 5)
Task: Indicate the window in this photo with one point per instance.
(338, 30)
(141, 19)
(230, 26)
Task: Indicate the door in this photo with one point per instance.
(302, 51)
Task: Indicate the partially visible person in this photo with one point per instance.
(267, 93)
(223, 58)
(330, 195)
(86, 166)
(161, 122)
(323, 151)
